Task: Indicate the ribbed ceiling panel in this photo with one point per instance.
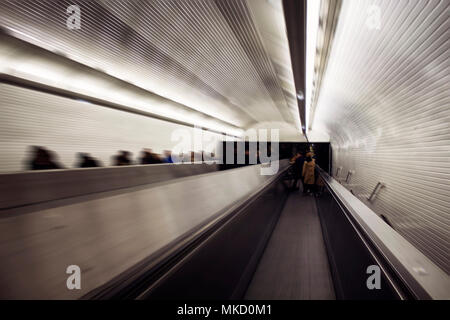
(385, 102)
(204, 54)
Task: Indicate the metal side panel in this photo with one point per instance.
(408, 271)
(26, 188)
(385, 102)
(108, 235)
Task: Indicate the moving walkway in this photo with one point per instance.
(233, 234)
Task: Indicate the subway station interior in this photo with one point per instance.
(224, 150)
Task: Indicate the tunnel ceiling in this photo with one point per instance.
(378, 73)
(228, 59)
(385, 101)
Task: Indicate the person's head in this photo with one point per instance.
(38, 151)
(308, 159)
(35, 150)
(83, 156)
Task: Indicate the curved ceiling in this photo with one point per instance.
(227, 59)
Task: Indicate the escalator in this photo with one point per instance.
(281, 245)
(208, 236)
(294, 265)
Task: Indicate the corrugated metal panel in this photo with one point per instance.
(385, 101)
(207, 55)
(68, 126)
(22, 63)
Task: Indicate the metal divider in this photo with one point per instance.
(359, 242)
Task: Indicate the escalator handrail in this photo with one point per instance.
(422, 278)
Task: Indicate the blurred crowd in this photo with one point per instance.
(44, 159)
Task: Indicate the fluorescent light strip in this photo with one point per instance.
(312, 27)
(38, 65)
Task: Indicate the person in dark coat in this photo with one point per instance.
(123, 158)
(43, 159)
(86, 161)
(146, 157)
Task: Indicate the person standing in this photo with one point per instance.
(86, 161)
(308, 174)
(123, 158)
(298, 160)
(43, 159)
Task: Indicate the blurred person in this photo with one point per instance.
(123, 158)
(146, 156)
(308, 174)
(43, 159)
(298, 161)
(320, 184)
(167, 156)
(247, 157)
(86, 161)
(199, 156)
(293, 158)
(156, 158)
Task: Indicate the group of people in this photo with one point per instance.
(44, 159)
(147, 157)
(303, 166)
(123, 158)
